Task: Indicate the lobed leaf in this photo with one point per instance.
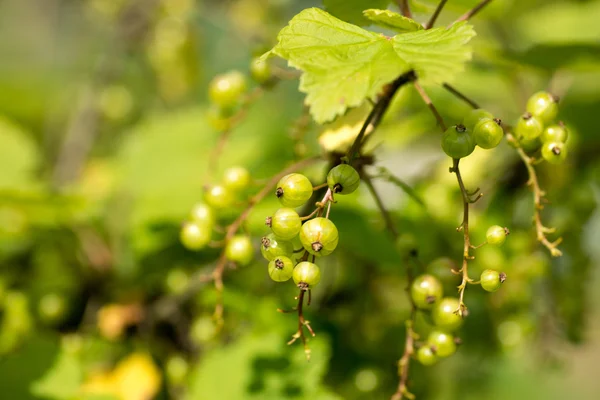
(391, 20)
(344, 64)
(437, 55)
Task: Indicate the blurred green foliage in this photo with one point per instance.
(105, 145)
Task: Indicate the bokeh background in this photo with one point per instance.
(105, 136)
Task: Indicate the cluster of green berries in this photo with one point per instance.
(479, 128)
(427, 294)
(197, 232)
(537, 128)
(226, 92)
(292, 239)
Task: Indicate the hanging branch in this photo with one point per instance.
(409, 348)
(378, 111)
(539, 197)
(429, 103)
(302, 322)
(469, 14)
(538, 194)
(235, 120)
(169, 304)
(435, 14)
(464, 226)
(404, 8)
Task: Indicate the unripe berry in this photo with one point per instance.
(528, 127)
(343, 179)
(544, 106)
(425, 291)
(227, 89)
(281, 269)
(554, 152)
(319, 236)
(496, 235)
(285, 223)
(306, 275)
(474, 116)
(491, 280)
(294, 190)
(458, 142)
(271, 247)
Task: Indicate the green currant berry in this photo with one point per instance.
(202, 330)
(425, 291)
(343, 179)
(293, 190)
(202, 214)
(554, 152)
(496, 235)
(176, 369)
(52, 308)
(532, 145)
(281, 269)
(218, 197)
(555, 133)
(407, 245)
(195, 236)
(457, 142)
(319, 236)
(285, 223)
(445, 316)
(474, 116)
(306, 275)
(177, 281)
(528, 127)
(491, 280)
(442, 343)
(239, 250)
(219, 120)
(271, 247)
(543, 105)
(260, 70)
(236, 178)
(227, 89)
(426, 356)
(488, 133)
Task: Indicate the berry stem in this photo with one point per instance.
(404, 362)
(464, 226)
(469, 14)
(435, 14)
(389, 223)
(429, 103)
(404, 8)
(460, 95)
(302, 323)
(539, 197)
(200, 278)
(377, 112)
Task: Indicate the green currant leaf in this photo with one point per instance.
(391, 20)
(437, 55)
(342, 63)
(352, 10)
